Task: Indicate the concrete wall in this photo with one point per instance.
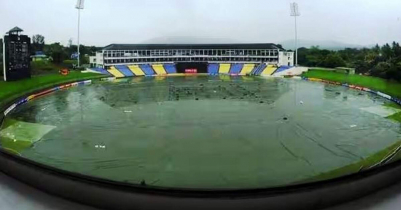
(97, 60)
(286, 58)
(292, 71)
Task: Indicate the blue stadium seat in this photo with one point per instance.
(147, 69)
(213, 69)
(101, 70)
(236, 68)
(255, 69)
(261, 69)
(170, 68)
(125, 70)
(258, 70)
(282, 68)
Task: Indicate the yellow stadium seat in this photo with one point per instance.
(136, 70)
(224, 68)
(115, 72)
(159, 69)
(269, 70)
(247, 69)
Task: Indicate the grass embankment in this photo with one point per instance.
(374, 83)
(12, 90)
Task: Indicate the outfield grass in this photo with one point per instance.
(391, 88)
(11, 90)
(396, 117)
(358, 166)
(374, 83)
(342, 71)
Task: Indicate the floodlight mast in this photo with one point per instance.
(295, 13)
(79, 7)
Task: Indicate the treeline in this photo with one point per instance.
(56, 51)
(60, 53)
(59, 56)
(1, 57)
(380, 61)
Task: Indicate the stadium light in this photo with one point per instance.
(295, 13)
(79, 6)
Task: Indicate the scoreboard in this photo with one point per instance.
(16, 57)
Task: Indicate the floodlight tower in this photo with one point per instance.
(295, 13)
(79, 7)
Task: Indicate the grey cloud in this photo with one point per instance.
(361, 22)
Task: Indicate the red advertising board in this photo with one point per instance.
(191, 71)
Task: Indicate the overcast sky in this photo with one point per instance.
(362, 22)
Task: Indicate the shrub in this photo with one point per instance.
(42, 66)
(69, 63)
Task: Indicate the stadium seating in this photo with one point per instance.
(147, 69)
(213, 69)
(170, 68)
(124, 70)
(247, 69)
(255, 69)
(159, 69)
(136, 70)
(269, 70)
(113, 71)
(258, 70)
(263, 67)
(282, 68)
(236, 68)
(100, 70)
(224, 68)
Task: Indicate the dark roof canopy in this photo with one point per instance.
(15, 30)
(255, 46)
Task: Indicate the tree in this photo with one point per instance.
(302, 53)
(1, 49)
(1, 56)
(396, 49)
(333, 60)
(387, 51)
(376, 49)
(380, 70)
(380, 61)
(57, 52)
(38, 42)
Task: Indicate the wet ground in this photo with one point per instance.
(201, 132)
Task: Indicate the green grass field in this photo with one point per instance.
(382, 85)
(397, 116)
(16, 136)
(385, 86)
(361, 165)
(11, 90)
